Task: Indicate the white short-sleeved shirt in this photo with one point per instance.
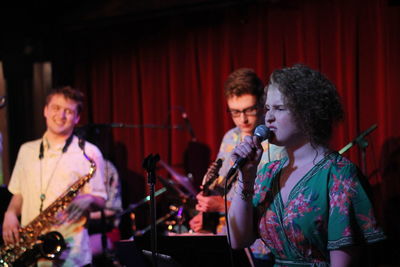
(53, 175)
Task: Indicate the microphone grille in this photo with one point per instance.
(262, 132)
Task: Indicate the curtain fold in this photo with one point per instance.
(153, 71)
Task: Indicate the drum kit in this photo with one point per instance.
(178, 185)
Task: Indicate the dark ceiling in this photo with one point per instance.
(42, 15)
(24, 25)
(41, 18)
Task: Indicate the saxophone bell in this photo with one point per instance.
(36, 242)
(48, 246)
(51, 245)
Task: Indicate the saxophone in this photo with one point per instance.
(35, 239)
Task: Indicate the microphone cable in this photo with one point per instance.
(263, 133)
(228, 233)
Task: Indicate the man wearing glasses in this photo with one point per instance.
(244, 93)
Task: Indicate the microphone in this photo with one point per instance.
(188, 124)
(263, 133)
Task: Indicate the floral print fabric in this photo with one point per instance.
(327, 209)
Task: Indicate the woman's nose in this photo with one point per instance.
(269, 116)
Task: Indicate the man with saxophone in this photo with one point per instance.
(46, 168)
(244, 95)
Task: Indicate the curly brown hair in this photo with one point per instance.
(312, 99)
(244, 81)
(69, 93)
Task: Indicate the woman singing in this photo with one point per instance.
(310, 208)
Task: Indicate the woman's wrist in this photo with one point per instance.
(246, 184)
(246, 194)
(246, 179)
(245, 189)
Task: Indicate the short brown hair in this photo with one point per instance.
(244, 81)
(69, 93)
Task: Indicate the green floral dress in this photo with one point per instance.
(326, 210)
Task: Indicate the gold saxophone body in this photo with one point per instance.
(36, 240)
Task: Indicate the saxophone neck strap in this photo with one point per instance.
(68, 142)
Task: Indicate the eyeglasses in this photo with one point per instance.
(250, 111)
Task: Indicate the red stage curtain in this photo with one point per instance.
(147, 72)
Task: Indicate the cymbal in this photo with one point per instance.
(173, 186)
(179, 178)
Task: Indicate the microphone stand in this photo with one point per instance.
(149, 163)
(360, 140)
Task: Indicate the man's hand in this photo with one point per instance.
(10, 228)
(80, 206)
(196, 223)
(210, 203)
(96, 215)
(11, 222)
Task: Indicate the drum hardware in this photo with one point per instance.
(173, 210)
(182, 180)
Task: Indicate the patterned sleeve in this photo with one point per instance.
(262, 188)
(351, 217)
(96, 185)
(228, 143)
(260, 184)
(113, 187)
